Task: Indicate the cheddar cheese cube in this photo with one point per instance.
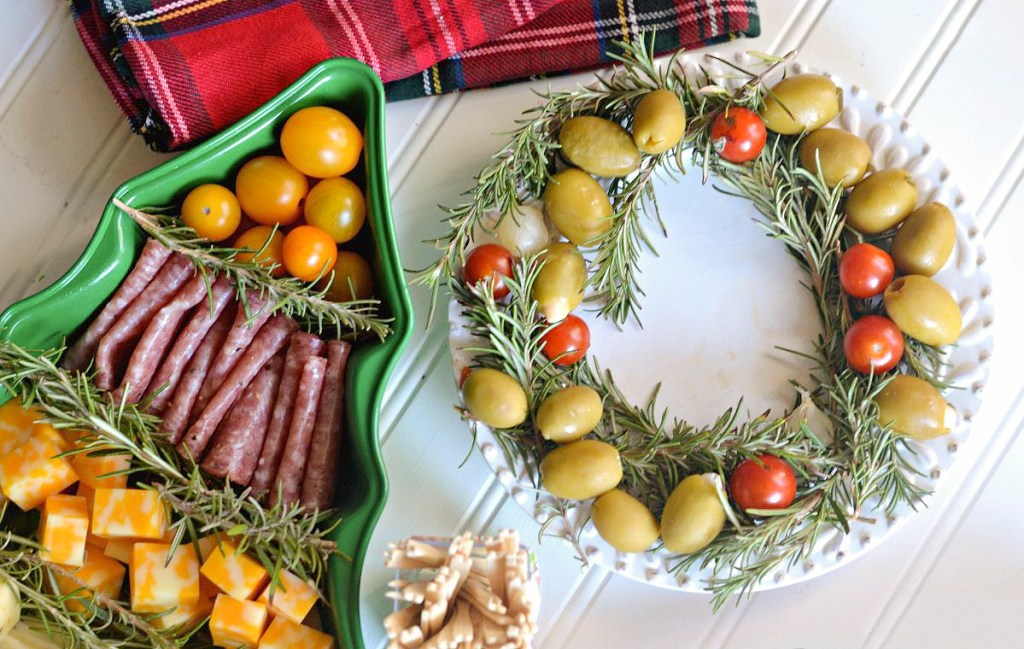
(121, 549)
(234, 572)
(188, 615)
(45, 430)
(63, 529)
(93, 469)
(293, 598)
(285, 634)
(159, 583)
(15, 425)
(87, 492)
(128, 514)
(33, 472)
(208, 543)
(237, 623)
(99, 574)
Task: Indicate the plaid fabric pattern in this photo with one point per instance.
(183, 69)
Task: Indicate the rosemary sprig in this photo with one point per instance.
(521, 168)
(302, 301)
(859, 466)
(97, 622)
(279, 537)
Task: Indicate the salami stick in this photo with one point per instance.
(270, 340)
(287, 488)
(322, 466)
(157, 337)
(243, 331)
(301, 346)
(235, 447)
(149, 263)
(176, 418)
(130, 324)
(188, 341)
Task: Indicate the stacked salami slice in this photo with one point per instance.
(242, 391)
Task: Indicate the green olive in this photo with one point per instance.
(693, 515)
(841, 157)
(925, 240)
(495, 398)
(581, 470)
(881, 201)
(923, 309)
(578, 206)
(624, 522)
(598, 146)
(558, 288)
(659, 121)
(569, 414)
(802, 103)
(913, 407)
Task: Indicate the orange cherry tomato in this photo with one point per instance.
(321, 142)
(254, 239)
(352, 279)
(270, 190)
(212, 211)
(309, 253)
(336, 206)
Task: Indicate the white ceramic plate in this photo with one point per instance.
(721, 298)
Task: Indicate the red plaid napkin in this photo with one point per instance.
(182, 70)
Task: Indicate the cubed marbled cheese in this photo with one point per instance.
(186, 615)
(285, 634)
(33, 472)
(87, 492)
(121, 549)
(63, 529)
(128, 514)
(15, 426)
(237, 623)
(93, 469)
(234, 572)
(293, 598)
(158, 584)
(100, 574)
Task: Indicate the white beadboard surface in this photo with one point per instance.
(952, 577)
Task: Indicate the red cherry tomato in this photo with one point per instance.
(738, 134)
(489, 260)
(566, 342)
(865, 270)
(873, 342)
(765, 483)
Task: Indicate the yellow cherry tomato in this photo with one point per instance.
(336, 206)
(309, 253)
(271, 190)
(254, 239)
(352, 279)
(212, 211)
(321, 142)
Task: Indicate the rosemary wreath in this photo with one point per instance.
(845, 462)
